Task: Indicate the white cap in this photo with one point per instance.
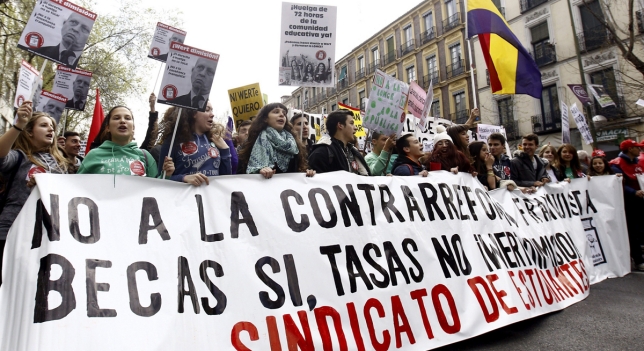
(442, 134)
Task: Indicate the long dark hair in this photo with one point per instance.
(574, 163)
(607, 169)
(452, 158)
(103, 133)
(259, 124)
(455, 133)
(475, 150)
(186, 126)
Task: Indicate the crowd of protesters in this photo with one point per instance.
(199, 148)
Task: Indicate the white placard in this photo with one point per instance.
(188, 77)
(51, 103)
(29, 85)
(57, 30)
(385, 112)
(565, 124)
(307, 45)
(580, 120)
(163, 36)
(74, 85)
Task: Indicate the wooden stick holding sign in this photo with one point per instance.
(174, 134)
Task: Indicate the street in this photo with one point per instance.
(611, 318)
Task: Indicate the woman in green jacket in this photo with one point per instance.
(117, 153)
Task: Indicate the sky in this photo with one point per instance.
(246, 35)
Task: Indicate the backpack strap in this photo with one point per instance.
(411, 169)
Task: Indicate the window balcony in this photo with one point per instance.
(548, 122)
(407, 47)
(360, 73)
(455, 69)
(459, 117)
(593, 38)
(372, 67)
(332, 92)
(511, 129)
(434, 77)
(390, 57)
(544, 54)
(451, 22)
(428, 35)
(527, 5)
(343, 84)
(363, 106)
(612, 112)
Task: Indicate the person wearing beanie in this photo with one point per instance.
(627, 164)
(446, 157)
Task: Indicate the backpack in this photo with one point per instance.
(9, 182)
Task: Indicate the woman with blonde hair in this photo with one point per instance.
(26, 149)
(549, 153)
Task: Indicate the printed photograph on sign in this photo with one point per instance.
(163, 36)
(307, 45)
(74, 85)
(51, 104)
(188, 77)
(58, 31)
(29, 85)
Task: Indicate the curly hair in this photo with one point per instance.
(450, 159)
(259, 124)
(24, 143)
(186, 126)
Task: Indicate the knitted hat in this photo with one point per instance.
(441, 135)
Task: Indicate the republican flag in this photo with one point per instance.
(97, 120)
(511, 68)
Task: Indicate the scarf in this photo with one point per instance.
(272, 148)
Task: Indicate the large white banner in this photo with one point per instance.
(338, 261)
(307, 45)
(29, 85)
(57, 30)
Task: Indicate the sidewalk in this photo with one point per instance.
(611, 318)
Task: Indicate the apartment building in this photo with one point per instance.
(544, 28)
(425, 44)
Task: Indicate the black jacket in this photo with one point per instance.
(523, 173)
(327, 156)
(403, 166)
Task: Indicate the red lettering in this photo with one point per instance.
(355, 326)
(490, 316)
(522, 279)
(237, 329)
(418, 296)
(529, 273)
(565, 293)
(500, 294)
(321, 314)
(400, 316)
(294, 338)
(566, 269)
(527, 306)
(437, 291)
(551, 294)
(373, 303)
(273, 335)
(574, 264)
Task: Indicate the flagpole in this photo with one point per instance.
(469, 51)
(174, 134)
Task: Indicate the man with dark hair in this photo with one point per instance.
(501, 167)
(628, 166)
(409, 151)
(242, 133)
(72, 148)
(528, 169)
(380, 155)
(336, 152)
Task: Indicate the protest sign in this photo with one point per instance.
(245, 102)
(163, 36)
(565, 124)
(387, 100)
(188, 77)
(428, 105)
(307, 45)
(483, 131)
(600, 95)
(425, 135)
(357, 119)
(580, 93)
(313, 262)
(74, 85)
(52, 104)
(580, 120)
(29, 85)
(416, 100)
(57, 30)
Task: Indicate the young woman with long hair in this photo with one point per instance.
(599, 166)
(446, 156)
(568, 163)
(33, 138)
(549, 153)
(460, 139)
(300, 123)
(117, 154)
(483, 164)
(272, 147)
(199, 150)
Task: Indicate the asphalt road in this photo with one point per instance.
(610, 318)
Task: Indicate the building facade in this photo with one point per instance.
(425, 44)
(544, 27)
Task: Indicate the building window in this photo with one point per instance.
(361, 97)
(343, 73)
(456, 66)
(346, 101)
(436, 108)
(428, 20)
(411, 74)
(306, 98)
(550, 118)
(298, 102)
(408, 35)
(391, 51)
(375, 56)
(505, 111)
(334, 107)
(431, 64)
(429, 32)
(606, 78)
(360, 72)
(594, 32)
(544, 52)
(451, 8)
(459, 101)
